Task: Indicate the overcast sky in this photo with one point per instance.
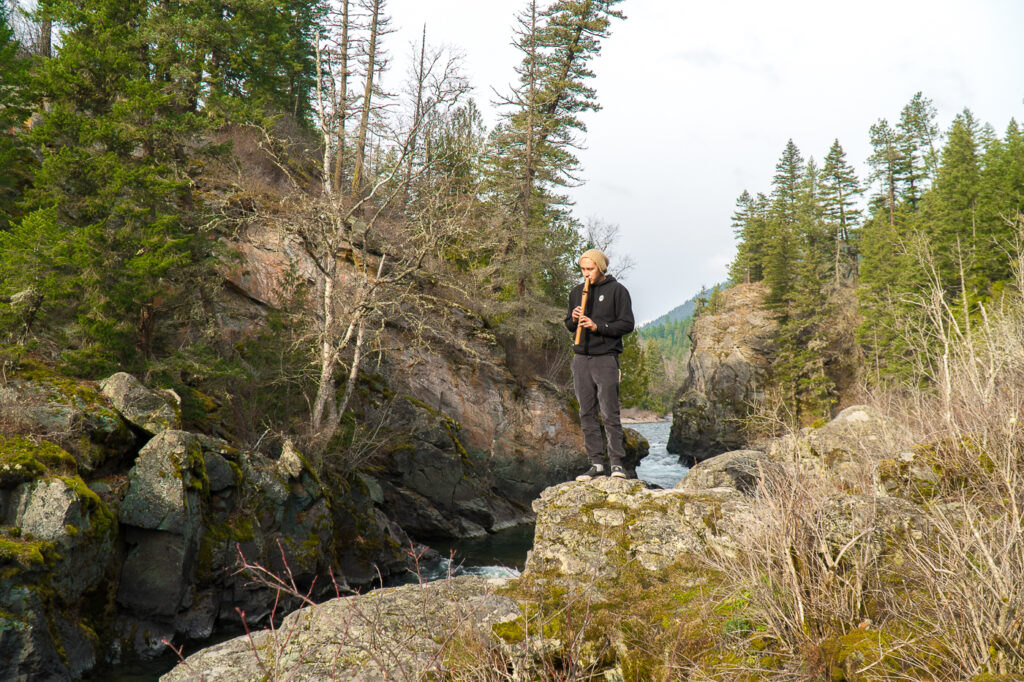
(700, 98)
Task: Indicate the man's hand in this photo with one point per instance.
(587, 323)
(576, 313)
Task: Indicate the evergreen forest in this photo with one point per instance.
(854, 265)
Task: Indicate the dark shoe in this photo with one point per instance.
(593, 472)
(618, 472)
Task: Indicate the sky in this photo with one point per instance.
(699, 99)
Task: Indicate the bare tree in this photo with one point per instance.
(604, 235)
(383, 251)
(375, 61)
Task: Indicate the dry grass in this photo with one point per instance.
(870, 587)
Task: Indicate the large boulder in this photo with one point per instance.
(152, 411)
(162, 515)
(388, 634)
(63, 511)
(849, 448)
(599, 527)
(729, 366)
(55, 548)
(165, 485)
(72, 414)
(741, 471)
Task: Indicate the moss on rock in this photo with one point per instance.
(24, 459)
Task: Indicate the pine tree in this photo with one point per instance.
(840, 190)
(782, 228)
(1000, 200)
(14, 159)
(918, 156)
(106, 239)
(949, 211)
(532, 155)
(740, 270)
(636, 372)
(239, 60)
(885, 162)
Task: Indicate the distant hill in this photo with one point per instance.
(680, 312)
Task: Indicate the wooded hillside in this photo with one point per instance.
(137, 138)
(851, 280)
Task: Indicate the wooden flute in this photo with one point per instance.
(583, 310)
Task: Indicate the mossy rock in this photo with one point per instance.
(24, 552)
(24, 459)
(69, 412)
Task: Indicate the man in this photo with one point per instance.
(595, 365)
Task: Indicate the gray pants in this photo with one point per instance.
(596, 380)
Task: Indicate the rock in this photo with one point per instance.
(430, 471)
(142, 638)
(218, 471)
(373, 488)
(163, 515)
(740, 471)
(850, 448)
(45, 508)
(72, 517)
(727, 371)
(71, 414)
(387, 634)
(289, 464)
(26, 648)
(156, 572)
(522, 434)
(164, 485)
(636, 448)
(197, 622)
(262, 482)
(79, 647)
(418, 515)
(857, 430)
(596, 528)
(448, 387)
(150, 410)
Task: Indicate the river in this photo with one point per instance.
(503, 554)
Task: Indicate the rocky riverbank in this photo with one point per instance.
(121, 530)
(623, 581)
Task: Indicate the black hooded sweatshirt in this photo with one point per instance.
(608, 305)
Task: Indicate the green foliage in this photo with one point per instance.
(952, 238)
(642, 368)
(15, 95)
(801, 241)
(104, 263)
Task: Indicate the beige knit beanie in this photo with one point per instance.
(597, 258)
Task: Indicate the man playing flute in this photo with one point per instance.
(605, 317)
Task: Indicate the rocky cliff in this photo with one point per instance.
(119, 530)
(471, 444)
(728, 369)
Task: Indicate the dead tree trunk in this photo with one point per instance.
(341, 105)
(417, 113)
(364, 120)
